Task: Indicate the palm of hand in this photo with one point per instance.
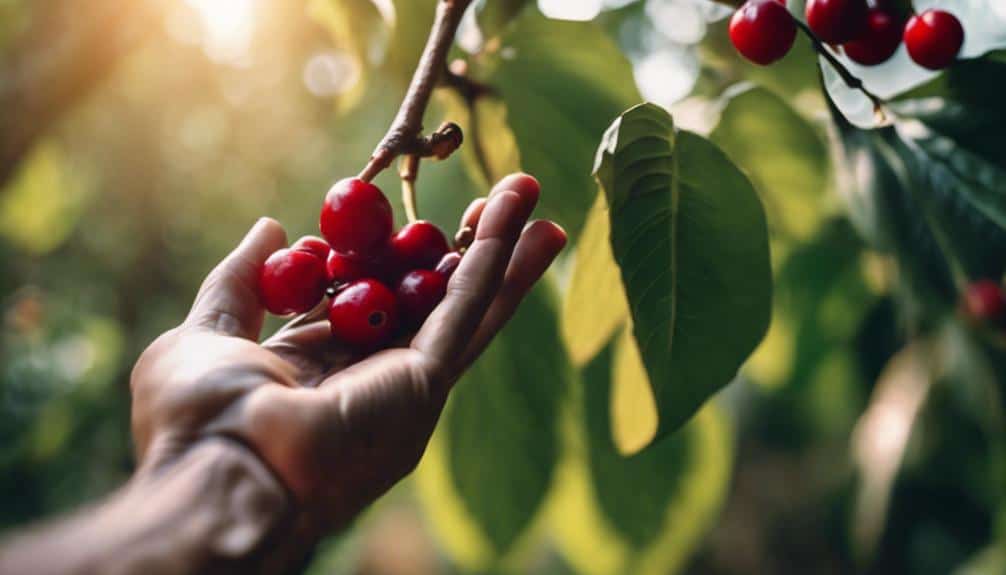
(337, 434)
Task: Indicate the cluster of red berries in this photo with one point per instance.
(379, 281)
(985, 302)
(763, 31)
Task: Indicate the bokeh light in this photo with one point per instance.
(571, 9)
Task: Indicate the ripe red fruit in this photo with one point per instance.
(934, 38)
(356, 218)
(763, 31)
(344, 268)
(985, 301)
(419, 245)
(292, 281)
(837, 21)
(364, 314)
(879, 42)
(314, 245)
(418, 293)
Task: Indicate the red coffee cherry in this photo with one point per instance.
(364, 314)
(418, 246)
(985, 301)
(356, 218)
(934, 38)
(763, 31)
(418, 293)
(314, 245)
(837, 21)
(344, 268)
(879, 42)
(292, 281)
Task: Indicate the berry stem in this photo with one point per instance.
(405, 134)
(850, 79)
(408, 171)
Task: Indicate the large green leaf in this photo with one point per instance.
(649, 513)
(929, 189)
(782, 153)
(634, 493)
(502, 423)
(562, 83)
(594, 307)
(689, 234)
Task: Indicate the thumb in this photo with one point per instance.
(228, 301)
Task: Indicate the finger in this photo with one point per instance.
(538, 246)
(474, 285)
(472, 213)
(527, 185)
(524, 184)
(228, 301)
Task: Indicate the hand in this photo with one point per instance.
(337, 435)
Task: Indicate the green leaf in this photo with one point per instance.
(690, 237)
(781, 152)
(562, 83)
(929, 190)
(594, 307)
(952, 171)
(490, 151)
(495, 15)
(502, 423)
(634, 493)
(649, 513)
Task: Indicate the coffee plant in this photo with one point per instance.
(777, 342)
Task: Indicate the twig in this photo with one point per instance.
(456, 78)
(404, 135)
(851, 80)
(408, 171)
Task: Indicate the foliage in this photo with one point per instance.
(764, 236)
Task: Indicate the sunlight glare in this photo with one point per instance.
(228, 26)
(581, 10)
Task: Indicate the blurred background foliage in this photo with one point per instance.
(139, 140)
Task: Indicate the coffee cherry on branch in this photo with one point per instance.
(363, 314)
(314, 245)
(356, 218)
(879, 42)
(934, 38)
(418, 293)
(837, 21)
(292, 281)
(418, 245)
(985, 301)
(763, 31)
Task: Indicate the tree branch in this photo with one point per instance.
(850, 79)
(404, 135)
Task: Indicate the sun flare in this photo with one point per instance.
(227, 25)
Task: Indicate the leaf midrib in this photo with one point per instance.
(675, 199)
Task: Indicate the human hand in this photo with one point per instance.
(338, 435)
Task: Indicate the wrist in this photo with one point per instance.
(215, 508)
